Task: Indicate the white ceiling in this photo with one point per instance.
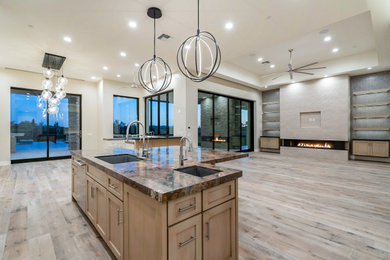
(100, 31)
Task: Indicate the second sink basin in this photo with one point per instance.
(197, 171)
(118, 158)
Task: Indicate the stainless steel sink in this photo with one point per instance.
(197, 171)
(118, 158)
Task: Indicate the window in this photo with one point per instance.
(36, 135)
(125, 111)
(224, 123)
(159, 114)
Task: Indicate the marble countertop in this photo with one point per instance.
(157, 176)
(140, 138)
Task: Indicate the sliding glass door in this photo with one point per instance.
(224, 123)
(36, 135)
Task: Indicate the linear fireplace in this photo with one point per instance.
(316, 144)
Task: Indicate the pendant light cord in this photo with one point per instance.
(154, 37)
(198, 20)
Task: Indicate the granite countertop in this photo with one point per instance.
(140, 138)
(156, 176)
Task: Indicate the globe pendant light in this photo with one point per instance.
(199, 56)
(155, 75)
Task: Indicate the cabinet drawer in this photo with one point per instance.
(115, 187)
(183, 208)
(97, 175)
(217, 195)
(185, 240)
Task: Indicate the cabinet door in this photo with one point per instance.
(101, 210)
(114, 236)
(74, 182)
(219, 235)
(91, 207)
(380, 148)
(185, 239)
(361, 148)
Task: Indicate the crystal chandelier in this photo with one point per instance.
(199, 56)
(155, 75)
(53, 98)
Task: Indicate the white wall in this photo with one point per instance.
(330, 96)
(21, 79)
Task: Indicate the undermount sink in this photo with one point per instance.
(118, 158)
(197, 171)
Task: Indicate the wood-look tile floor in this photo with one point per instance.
(288, 209)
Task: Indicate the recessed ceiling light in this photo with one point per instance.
(105, 68)
(335, 50)
(369, 68)
(93, 77)
(67, 39)
(229, 25)
(132, 24)
(260, 59)
(137, 65)
(327, 39)
(118, 76)
(265, 86)
(123, 54)
(272, 66)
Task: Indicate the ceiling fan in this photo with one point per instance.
(301, 70)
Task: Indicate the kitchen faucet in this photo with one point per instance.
(145, 152)
(190, 149)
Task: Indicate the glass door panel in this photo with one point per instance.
(28, 125)
(205, 120)
(64, 128)
(234, 124)
(246, 126)
(163, 114)
(154, 108)
(220, 122)
(170, 113)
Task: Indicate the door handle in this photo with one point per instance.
(187, 208)
(92, 193)
(119, 217)
(208, 230)
(181, 244)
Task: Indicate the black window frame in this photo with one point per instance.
(121, 96)
(149, 113)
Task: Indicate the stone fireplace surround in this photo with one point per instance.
(316, 111)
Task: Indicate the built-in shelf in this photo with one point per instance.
(372, 129)
(371, 117)
(268, 112)
(367, 92)
(271, 103)
(372, 104)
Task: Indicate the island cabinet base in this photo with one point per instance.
(185, 228)
(199, 226)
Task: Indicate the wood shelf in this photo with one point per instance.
(372, 104)
(267, 112)
(372, 129)
(371, 117)
(367, 92)
(271, 103)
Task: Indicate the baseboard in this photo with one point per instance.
(5, 163)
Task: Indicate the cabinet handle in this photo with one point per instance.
(112, 186)
(119, 217)
(208, 230)
(187, 208)
(92, 193)
(181, 244)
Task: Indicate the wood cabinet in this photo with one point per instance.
(74, 184)
(270, 142)
(114, 236)
(219, 236)
(91, 207)
(370, 148)
(185, 240)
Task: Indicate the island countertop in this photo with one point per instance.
(157, 176)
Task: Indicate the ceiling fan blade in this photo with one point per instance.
(291, 75)
(311, 64)
(277, 77)
(307, 73)
(317, 68)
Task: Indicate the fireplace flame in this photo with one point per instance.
(315, 145)
(219, 139)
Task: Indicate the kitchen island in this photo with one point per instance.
(156, 209)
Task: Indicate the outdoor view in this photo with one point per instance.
(125, 111)
(34, 134)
